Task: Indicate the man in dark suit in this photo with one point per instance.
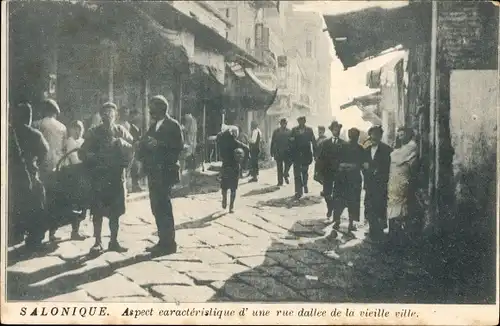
(328, 164)
(159, 151)
(280, 148)
(376, 176)
(303, 148)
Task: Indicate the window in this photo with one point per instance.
(309, 48)
(248, 43)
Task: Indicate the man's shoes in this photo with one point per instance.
(336, 225)
(224, 202)
(306, 190)
(329, 213)
(75, 236)
(115, 246)
(96, 249)
(351, 228)
(280, 184)
(160, 249)
(298, 196)
(287, 181)
(253, 180)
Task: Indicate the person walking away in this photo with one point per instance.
(347, 187)
(303, 146)
(376, 167)
(27, 202)
(401, 188)
(254, 145)
(102, 151)
(135, 166)
(73, 143)
(327, 165)
(280, 151)
(56, 134)
(231, 154)
(319, 140)
(159, 152)
(243, 137)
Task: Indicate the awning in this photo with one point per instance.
(301, 108)
(371, 97)
(247, 92)
(206, 37)
(362, 34)
(282, 106)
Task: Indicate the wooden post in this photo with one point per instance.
(204, 132)
(145, 103)
(432, 112)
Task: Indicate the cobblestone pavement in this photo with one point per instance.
(271, 249)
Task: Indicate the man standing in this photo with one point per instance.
(280, 146)
(159, 152)
(376, 176)
(328, 164)
(56, 135)
(347, 188)
(303, 146)
(254, 144)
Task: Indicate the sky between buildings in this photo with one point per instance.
(340, 79)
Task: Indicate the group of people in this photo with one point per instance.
(344, 167)
(102, 156)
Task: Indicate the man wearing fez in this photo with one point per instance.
(303, 145)
(159, 151)
(103, 151)
(376, 168)
(280, 147)
(347, 189)
(328, 164)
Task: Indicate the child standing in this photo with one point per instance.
(75, 141)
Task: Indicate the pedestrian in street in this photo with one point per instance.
(27, 201)
(159, 151)
(401, 188)
(107, 151)
(243, 137)
(280, 151)
(232, 152)
(135, 166)
(190, 134)
(303, 147)
(73, 143)
(254, 145)
(319, 140)
(347, 187)
(56, 134)
(376, 168)
(328, 164)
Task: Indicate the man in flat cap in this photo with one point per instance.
(102, 153)
(376, 177)
(328, 164)
(303, 148)
(280, 150)
(159, 151)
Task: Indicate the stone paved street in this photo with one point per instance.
(271, 249)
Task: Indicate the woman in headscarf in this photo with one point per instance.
(400, 187)
(27, 151)
(107, 150)
(230, 152)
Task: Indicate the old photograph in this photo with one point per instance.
(251, 151)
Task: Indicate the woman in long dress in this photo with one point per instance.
(104, 151)
(401, 190)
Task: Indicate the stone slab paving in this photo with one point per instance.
(221, 257)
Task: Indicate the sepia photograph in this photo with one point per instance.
(331, 158)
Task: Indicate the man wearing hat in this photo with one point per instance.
(103, 153)
(159, 151)
(280, 148)
(303, 146)
(328, 164)
(376, 177)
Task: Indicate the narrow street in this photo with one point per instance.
(271, 249)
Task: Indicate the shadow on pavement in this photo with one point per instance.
(291, 202)
(200, 223)
(261, 191)
(341, 267)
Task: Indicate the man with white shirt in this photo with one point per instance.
(376, 176)
(254, 145)
(159, 152)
